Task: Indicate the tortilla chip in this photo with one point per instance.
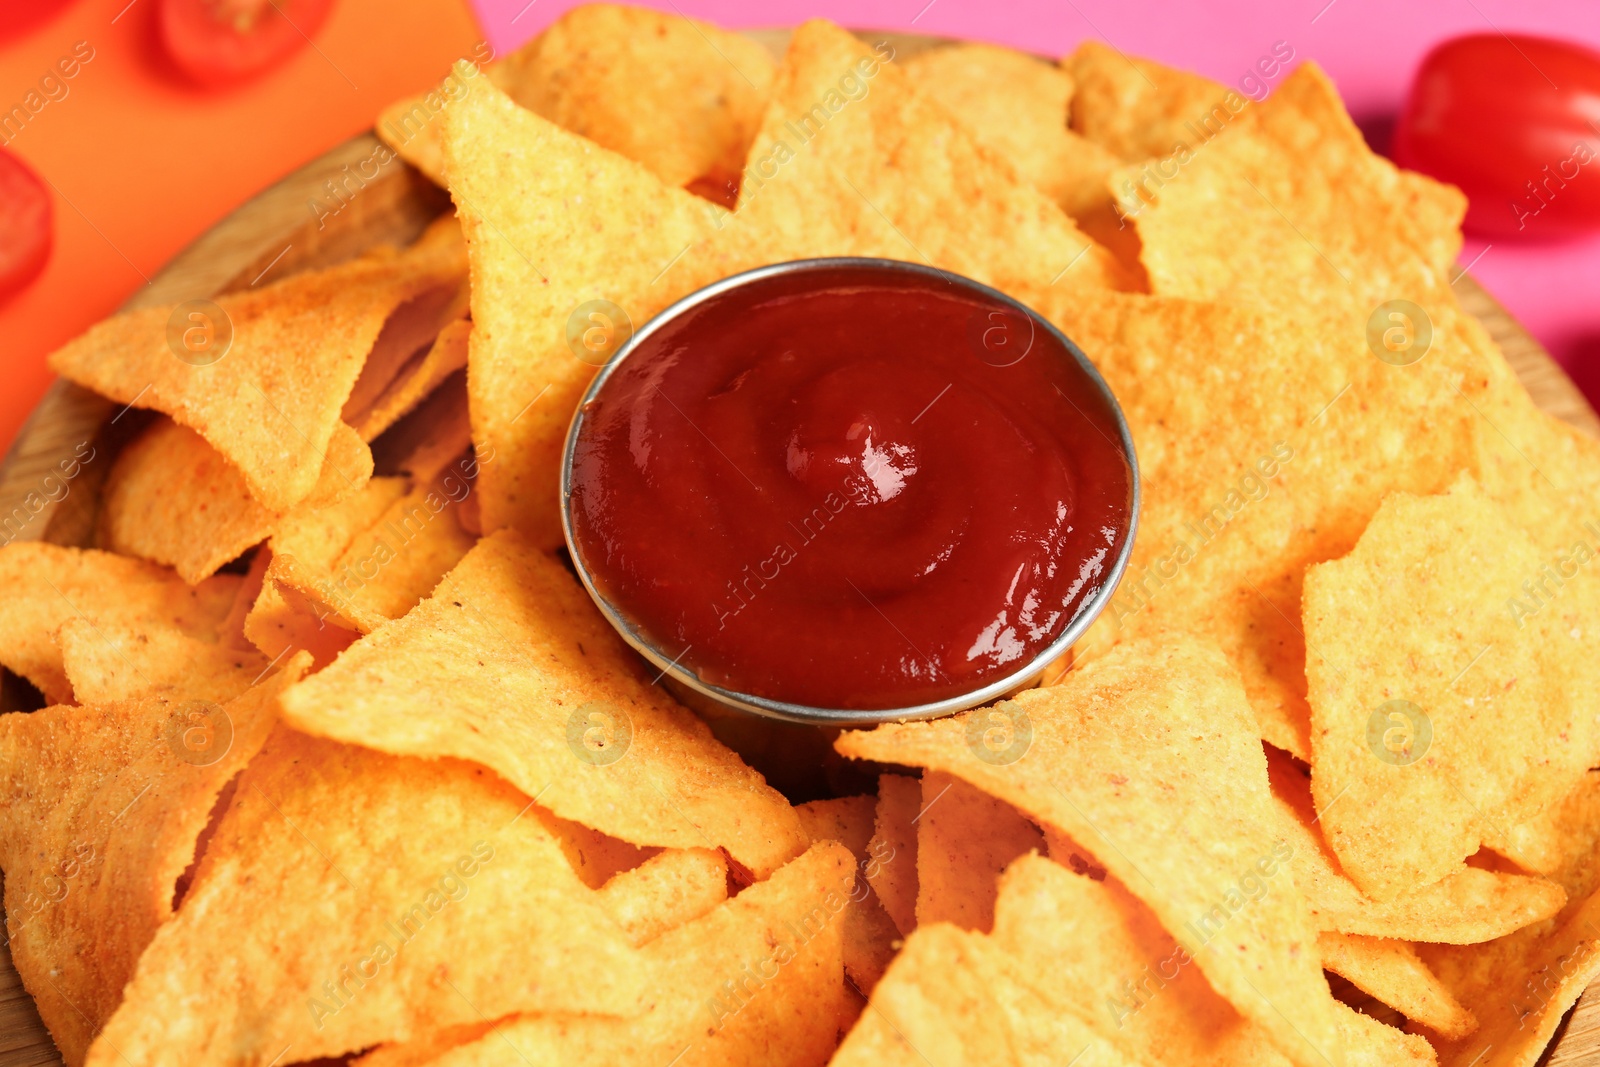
(103, 807)
(108, 662)
(952, 997)
(682, 97)
(283, 619)
(755, 980)
(1391, 972)
(425, 372)
(231, 633)
(1563, 840)
(1017, 105)
(947, 195)
(1148, 754)
(869, 933)
(1092, 945)
(1439, 717)
(414, 126)
(965, 838)
(174, 499)
(1294, 208)
(1519, 988)
(893, 876)
(48, 585)
(1235, 509)
(1464, 908)
(508, 664)
(665, 891)
(552, 222)
(271, 403)
(1138, 109)
(351, 898)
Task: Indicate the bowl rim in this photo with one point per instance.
(787, 711)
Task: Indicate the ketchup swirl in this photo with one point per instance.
(854, 486)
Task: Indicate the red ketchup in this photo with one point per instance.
(850, 485)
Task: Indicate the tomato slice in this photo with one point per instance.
(27, 224)
(220, 42)
(18, 18)
(1515, 122)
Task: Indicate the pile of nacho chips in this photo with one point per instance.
(331, 759)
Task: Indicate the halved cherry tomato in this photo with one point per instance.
(18, 17)
(1515, 122)
(27, 224)
(219, 42)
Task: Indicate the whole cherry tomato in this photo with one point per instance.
(1513, 122)
(26, 224)
(220, 42)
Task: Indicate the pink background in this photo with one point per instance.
(1370, 48)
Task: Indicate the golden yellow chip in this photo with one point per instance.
(1148, 756)
(669, 889)
(283, 619)
(597, 857)
(869, 934)
(1391, 972)
(1292, 209)
(1235, 508)
(104, 805)
(174, 499)
(569, 245)
(1470, 906)
(1106, 953)
(509, 665)
(108, 662)
(680, 96)
(1139, 109)
(1518, 988)
(965, 838)
(260, 374)
(757, 980)
(1018, 105)
(951, 200)
(893, 875)
(1439, 718)
(47, 585)
(415, 895)
(952, 997)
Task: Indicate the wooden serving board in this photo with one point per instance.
(274, 234)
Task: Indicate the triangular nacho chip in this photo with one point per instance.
(554, 225)
(103, 806)
(965, 838)
(350, 898)
(755, 980)
(417, 379)
(47, 585)
(270, 401)
(894, 844)
(1146, 757)
(1294, 207)
(108, 662)
(1018, 105)
(174, 499)
(1439, 717)
(1139, 109)
(680, 96)
(1464, 908)
(869, 933)
(673, 887)
(1391, 972)
(945, 194)
(509, 665)
(1089, 942)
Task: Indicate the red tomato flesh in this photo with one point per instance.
(1515, 122)
(26, 224)
(220, 42)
